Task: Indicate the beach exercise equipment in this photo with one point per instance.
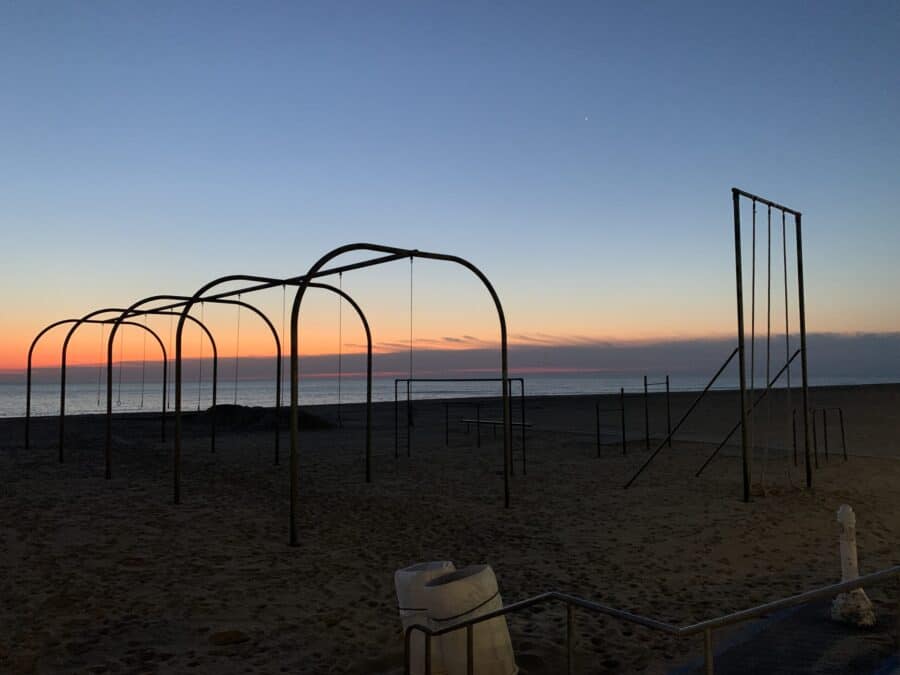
(29, 369)
(144, 364)
(260, 284)
(386, 254)
(748, 400)
(408, 382)
(815, 413)
(598, 411)
(89, 318)
(647, 385)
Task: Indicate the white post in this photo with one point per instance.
(853, 607)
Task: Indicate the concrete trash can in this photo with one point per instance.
(466, 594)
(409, 583)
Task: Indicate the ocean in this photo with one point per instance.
(83, 398)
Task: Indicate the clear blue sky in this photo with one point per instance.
(580, 150)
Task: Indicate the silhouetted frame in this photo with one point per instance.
(262, 284)
(28, 376)
(392, 254)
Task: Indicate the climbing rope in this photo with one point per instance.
(144, 361)
(200, 369)
(340, 346)
(100, 362)
(121, 360)
(237, 350)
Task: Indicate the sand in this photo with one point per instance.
(110, 576)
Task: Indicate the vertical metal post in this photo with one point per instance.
(794, 432)
(570, 639)
(815, 436)
(825, 430)
(597, 420)
(668, 412)
(470, 650)
(646, 416)
(477, 425)
(708, 652)
(742, 361)
(624, 438)
(396, 423)
(446, 424)
(522, 418)
(804, 372)
(843, 437)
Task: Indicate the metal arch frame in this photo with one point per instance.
(264, 283)
(63, 364)
(29, 369)
(62, 372)
(392, 253)
(133, 310)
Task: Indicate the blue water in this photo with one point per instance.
(84, 398)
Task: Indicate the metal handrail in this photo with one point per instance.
(706, 627)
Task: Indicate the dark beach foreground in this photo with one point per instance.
(110, 576)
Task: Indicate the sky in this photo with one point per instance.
(580, 154)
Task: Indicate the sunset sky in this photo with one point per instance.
(581, 155)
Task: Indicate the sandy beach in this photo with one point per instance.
(109, 576)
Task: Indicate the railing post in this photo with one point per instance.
(470, 650)
(708, 652)
(570, 639)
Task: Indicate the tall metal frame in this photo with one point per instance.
(262, 283)
(391, 254)
(746, 451)
(739, 351)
